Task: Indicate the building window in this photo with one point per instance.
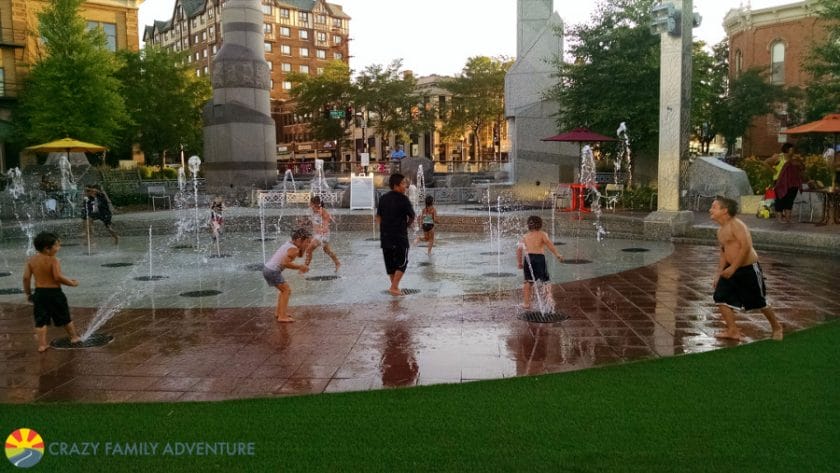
(338, 56)
(336, 39)
(198, 72)
(197, 56)
(204, 52)
(110, 31)
(267, 47)
(303, 17)
(285, 50)
(284, 13)
(266, 9)
(2, 82)
(337, 22)
(304, 52)
(321, 37)
(319, 71)
(205, 70)
(212, 31)
(321, 19)
(195, 39)
(203, 36)
(287, 85)
(270, 65)
(739, 62)
(286, 67)
(215, 49)
(320, 54)
(303, 34)
(304, 69)
(777, 62)
(268, 28)
(285, 31)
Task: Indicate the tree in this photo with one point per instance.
(478, 96)
(823, 63)
(164, 99)
(749, 95)
(72, 91)
(388, 96)
(614, 75)
(320, 94)
(709, 79)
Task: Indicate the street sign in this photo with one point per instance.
(336, 113)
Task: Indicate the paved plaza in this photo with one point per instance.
(625, 300)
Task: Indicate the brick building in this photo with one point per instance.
(300, 36)
(19, 46)
(776, 39)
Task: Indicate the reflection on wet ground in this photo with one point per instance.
(201, 353)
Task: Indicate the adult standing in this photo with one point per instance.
(394, 215)
(788, 177)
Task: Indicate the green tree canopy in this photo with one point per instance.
(317, 95)
(823, 63)
(749, 95)
(389, 96)
(72, 91)
(164, 99)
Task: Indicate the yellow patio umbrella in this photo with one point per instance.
(67, 144)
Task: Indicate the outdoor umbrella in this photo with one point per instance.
(829, 124)
(580, 136)
(67, 145)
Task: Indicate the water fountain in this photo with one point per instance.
(17, 190)
(587, 178)
(195, 163)
(623, 157)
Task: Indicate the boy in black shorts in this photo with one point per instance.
(97, 206)
(530, 257)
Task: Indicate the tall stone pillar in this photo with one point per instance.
(674, 116)
(239, 133)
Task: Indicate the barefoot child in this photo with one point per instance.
(97, 206)
(217, 206)
(321, 230)
(428, 219)
(284, 258)
(739, 282)
(530, 256)
(50, 303)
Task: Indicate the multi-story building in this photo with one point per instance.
(776, 39)
(20, 48)
(300, 36)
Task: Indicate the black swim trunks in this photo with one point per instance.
(396, 259)
(745, 290)
(50, 303)
(535, 262)
(427, 227)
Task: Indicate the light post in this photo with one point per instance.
(363, 122)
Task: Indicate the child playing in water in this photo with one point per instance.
(530, 256)
(428, 219)
(320, 219)
(284, 258)
(216, 219)
(50, 303)
(97, 206)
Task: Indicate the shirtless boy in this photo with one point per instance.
(739, 282)
(50, 303)
(532, 246)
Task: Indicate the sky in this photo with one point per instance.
(438, 36)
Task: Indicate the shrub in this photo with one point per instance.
(759, 174)
(817, 169)
(146, 172)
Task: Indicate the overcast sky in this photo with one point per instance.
(438, 36)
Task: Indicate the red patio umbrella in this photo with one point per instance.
(580, 136)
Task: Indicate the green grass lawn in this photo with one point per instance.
(767, 406)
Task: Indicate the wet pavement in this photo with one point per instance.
(658, 307)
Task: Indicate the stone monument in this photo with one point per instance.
(239, 133)
(530, 117)
(673, 21)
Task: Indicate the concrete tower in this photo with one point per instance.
(239, 134)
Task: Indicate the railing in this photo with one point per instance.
(270, 199)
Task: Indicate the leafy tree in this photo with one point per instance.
(614, 76)
(749, 95)
(164, 99)
(478, 96)
(709, 81)
(388, 96)
(317, 95)
(72, 91)
(823, 63)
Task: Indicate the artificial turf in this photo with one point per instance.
(766, 406)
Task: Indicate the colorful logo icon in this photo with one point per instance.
(24, 448)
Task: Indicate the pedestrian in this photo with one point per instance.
(282, 259)
(320, 220)
(49, 301)
(530, 257)
(97, 206)
(788, 180)
(739, 281)
(428, 219)
(394, 214)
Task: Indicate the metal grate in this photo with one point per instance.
(559, 242)
(498, 275)
(254, 267)
(410, 291)
(541, 318)
(3, 274)
(223, 255)
(635, 250)
(182, 247)
(493, 253)
(328, 277)
(151, 278)
(117, 265)
(204, 293)
(264, 239)
(576, 261)
(11, 290)
(95, 340)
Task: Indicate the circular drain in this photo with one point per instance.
(3, 274)
(117, 265)
(95, 340)
(781, 265)
(371, 239)
(559, 242)
(182, 247)
(10, 290)
(405, 292)
(540, 318)
(265, 239)
(223, 255)
(204, 293)
(498, 275)
(493, 253)
(576, 261)
(151, 278)
(635, 250)
(424, 263)
(254, 267)
(329, 277)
